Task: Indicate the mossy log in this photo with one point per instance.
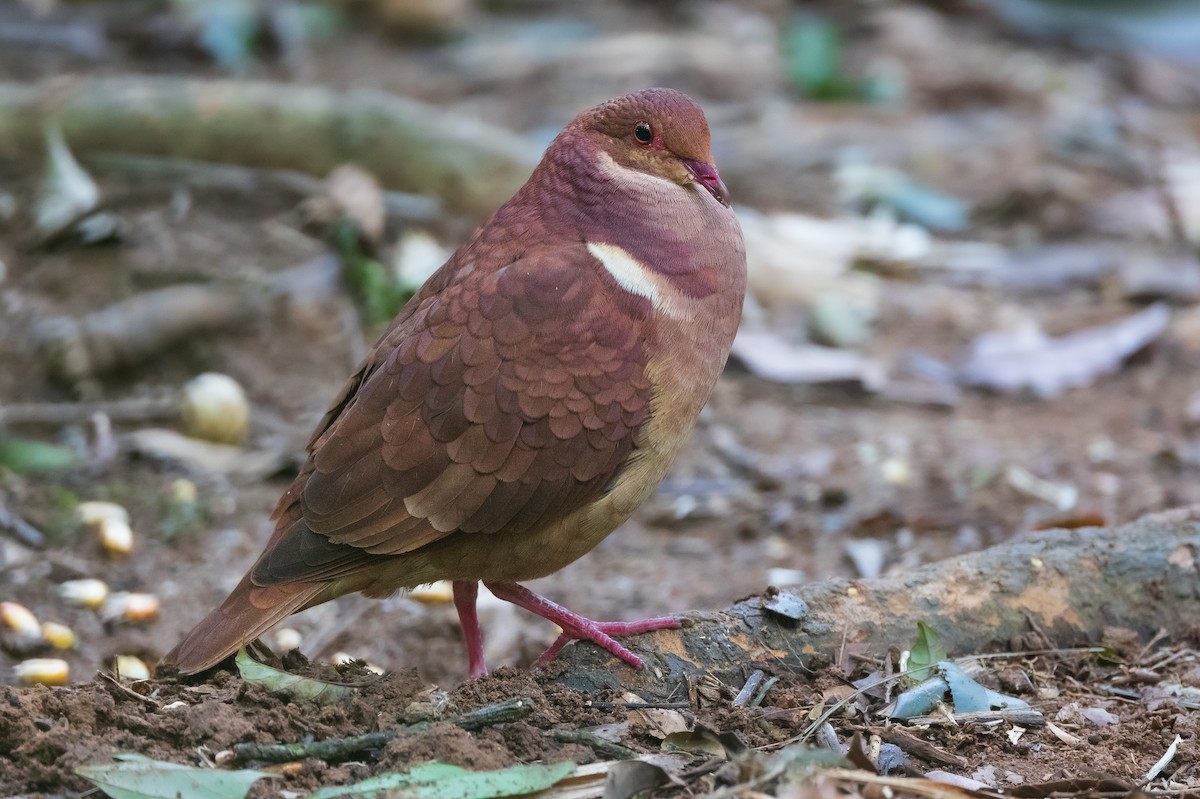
(1069, 585)
(408, 145)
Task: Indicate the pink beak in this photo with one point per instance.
(706, 175)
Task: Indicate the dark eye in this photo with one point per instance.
(643, 133)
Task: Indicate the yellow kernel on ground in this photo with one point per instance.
(20, 620)
(438, 593)
(214, 408)
(130, 607)
(42, 671)
(116, 536)
(183, 492)
(287, 639)
(94, 512)
(129, 667)
(88, 593)
(59, 636)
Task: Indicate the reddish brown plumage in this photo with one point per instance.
(530, 395)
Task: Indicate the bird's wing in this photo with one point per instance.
(502, 401)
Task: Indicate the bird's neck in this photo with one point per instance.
(667, 227)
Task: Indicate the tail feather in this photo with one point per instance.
(248, 612)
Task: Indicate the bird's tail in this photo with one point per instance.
(248, 612)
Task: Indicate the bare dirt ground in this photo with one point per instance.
(781, 483)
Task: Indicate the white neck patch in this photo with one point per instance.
(634, 276)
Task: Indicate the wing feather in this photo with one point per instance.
(494, 402)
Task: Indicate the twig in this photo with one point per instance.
(20, 529)
(83, 39)
(922, 749)
(602, 747)
(133, 409)
(208, 175)
(340, 748)
(327, 749)
(750, 687)
(762, 692)
(125, 689)
(640, 705)
(513, 709)
(134, 329)
(1026, 717)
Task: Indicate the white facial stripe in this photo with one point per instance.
(633, 176)
(633, 276)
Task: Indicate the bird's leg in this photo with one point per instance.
(465, 592)
(575, 626)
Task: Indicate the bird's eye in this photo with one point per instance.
(643, 133)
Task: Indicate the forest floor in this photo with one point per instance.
(781, 483)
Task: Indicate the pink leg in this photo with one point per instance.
(575, 626)
(465, 592)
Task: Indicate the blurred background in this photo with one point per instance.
(972, 230)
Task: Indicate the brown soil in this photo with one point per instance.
(826, 465)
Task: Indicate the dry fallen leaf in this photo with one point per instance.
(1028, 359)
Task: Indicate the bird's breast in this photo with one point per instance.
(686, 344)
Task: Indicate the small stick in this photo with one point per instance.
(327, 749)
(750, 687)
(125, 689)
(213, 176)
(20, 529)
(133, 409)
(1026, 717)
(922, 749)
(147, 323)
(640, 705)
(609, 749)
(340, 748)
(513, 709)
(762, 692)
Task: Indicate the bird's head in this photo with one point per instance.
(657, 132)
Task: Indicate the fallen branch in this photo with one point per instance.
(601, 746)
(129, 331)
(405, 144)
(133, 409)
(925, 750)
(335, 749)
(199, 176)
(1069, 584)
(329, 749)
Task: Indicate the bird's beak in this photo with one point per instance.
(706, 175)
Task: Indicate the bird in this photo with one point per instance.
(527, 399)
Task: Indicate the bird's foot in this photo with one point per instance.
(603, 634)
(576, 627)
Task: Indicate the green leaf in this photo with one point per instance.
(812, 52)
(287, 685)
(25, 457)
(378, 292)
(925, 652)
(813, 49)
(139, 777)
(444, 781)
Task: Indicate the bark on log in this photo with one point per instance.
(406, 144)
(1071, 584)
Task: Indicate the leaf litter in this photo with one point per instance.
(864, 261)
